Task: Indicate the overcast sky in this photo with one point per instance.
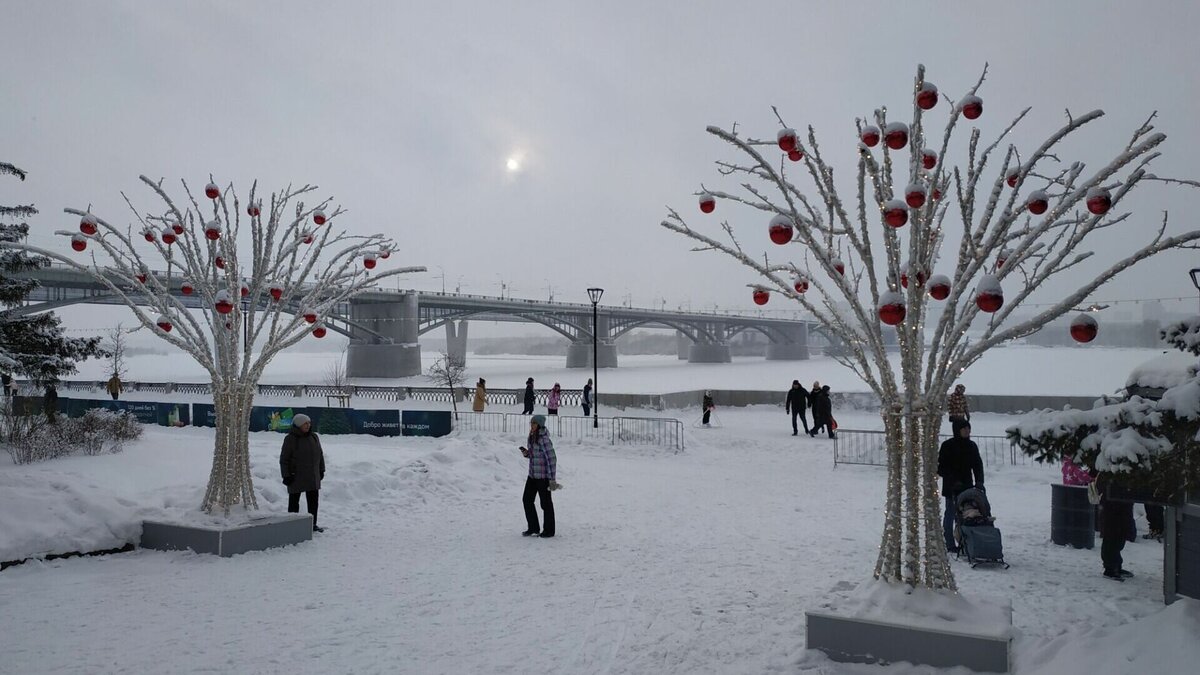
(410, 113)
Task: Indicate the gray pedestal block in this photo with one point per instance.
(787, 351)
(579, 355)
(854, 640)
(705, 352)
(383, 360)
(256, 534)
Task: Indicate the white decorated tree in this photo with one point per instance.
(1021, 218)
(265, 275)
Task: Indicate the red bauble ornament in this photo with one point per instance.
(795, 155)
(276, 293)
(989, 296)
(801, 285)
(1003, 257)
(929, 158)
(177, 227)
(219, 262)
(708, 203)
(761, 296)
(245, 291)
(839, 266)
(212, 231)
(319, 331)
(1038, 202)
(914, 195)
(223, 303)
(928, 96)
(310, 317)
(168, 235)
(369, 262)
(141, 277)
(939, 287)
(895, 213)
(254, 210)
(385, 254)
(1099, 201)
(895, 134)
(307, 237)
(786, 138)
(1012, 176)
(186, 288)
(318, 216)
(212, 191)
(971, 106)
(919, 276)
(891, 308)
(87, 225)
(870, 136)
(780, 229)
(1084, 328)
(164, 323)
(78, 242)
(936, 194)
(149, 235)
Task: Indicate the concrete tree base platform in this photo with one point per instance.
(255, 533)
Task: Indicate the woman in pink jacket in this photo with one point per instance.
(553, 399)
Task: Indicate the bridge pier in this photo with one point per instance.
(579, 354)
(795, 348)
(367, 356)
(456, 342)
(709, 352)
(684, 344)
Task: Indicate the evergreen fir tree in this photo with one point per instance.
(31, 345)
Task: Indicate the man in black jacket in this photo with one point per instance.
(530, 397)
(796, 403)
(960, 467)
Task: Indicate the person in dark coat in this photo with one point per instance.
(587, 398)
(530, 397)
(1116, 527)
(6, 383)
(960, 467)
(822, 410)
(708, 405)
(542, 478)
(50, 403)
(796, 404)
(302, 464)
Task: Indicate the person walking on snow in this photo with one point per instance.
(796, 403)
(50, 403)
(114, 387)
(822, 411)
(960, 467)
(956, 405)
(530, 397)
(587, 398)
(480, 396)
(708, 406)
(543, 470)
(302, 463)
(554, 399)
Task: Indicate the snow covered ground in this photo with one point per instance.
(698, 562)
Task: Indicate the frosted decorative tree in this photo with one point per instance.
(879, 260)
(256, 296)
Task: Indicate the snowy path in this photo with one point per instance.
(701, 562)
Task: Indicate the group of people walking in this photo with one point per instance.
(799, 400)
(553, 398)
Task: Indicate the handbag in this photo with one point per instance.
(1093, 494)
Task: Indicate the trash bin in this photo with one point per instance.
(1072, 516)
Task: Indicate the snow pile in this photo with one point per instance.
(55, 513)
(926, 608)
(1163, 372)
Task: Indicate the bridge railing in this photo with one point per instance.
(860, 446)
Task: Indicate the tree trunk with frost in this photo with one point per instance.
(1020, 226)
(257, 295)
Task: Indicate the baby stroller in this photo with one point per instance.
(975, 531)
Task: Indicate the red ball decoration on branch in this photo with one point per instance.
(78, 242)
(318, 216)
(786, 138)
(839, 266)
(927, 98)
(1038, 202)
(141, 276)
(212, 191)
(1003, 257)
(177, 227)
(223, 302)
(149, 235)
(914, 195)
(385, 253)
(895, 213)
(971, 107)
(319, 331)
(186, 288)
(1099, 201)
(219, 262)
(276, 292)
(254, 209)
(369, 262)
(989, 296)
(870, 135)
(87, 225)
(1084, 328)
(800, 284)
(936, 194)
(1012, 176)
(795, 155)
(168, 235)
(310, 316)
(780, 229)
(895, 134)
(761, 295)
(891, 308)
(939, 287)
(908, 270)
(708, 203)
(244, 290)
(164, 323)
(929, 158)
(306, 237)
(212, 231)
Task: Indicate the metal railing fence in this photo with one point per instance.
(869, 447)
(657, 431)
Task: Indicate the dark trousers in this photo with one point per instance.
(528, 408)
(312, 498)
(1115, 527)
(541, 488)
(115, 395)
(707, 414)
(803, 418)
(948, 523)
(587, 410)
(552, 411)
(1154, 518)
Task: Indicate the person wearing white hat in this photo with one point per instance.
(302, 463)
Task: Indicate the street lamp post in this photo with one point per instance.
(595, 294)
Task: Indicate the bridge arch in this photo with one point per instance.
(692, 331)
